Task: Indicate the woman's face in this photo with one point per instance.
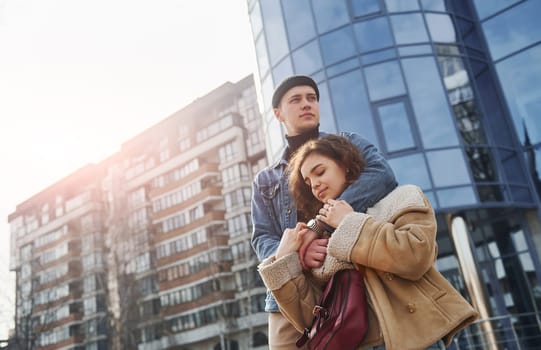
(326, 178)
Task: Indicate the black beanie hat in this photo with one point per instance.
(288, 83)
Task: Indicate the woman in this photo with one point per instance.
(411, 305)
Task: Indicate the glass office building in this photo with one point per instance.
(450, 92)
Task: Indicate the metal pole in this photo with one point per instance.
(461, 240)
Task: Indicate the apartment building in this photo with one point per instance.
(150, 248)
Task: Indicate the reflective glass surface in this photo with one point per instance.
(384, 80)
(411, 170)
(521, 76)
(343, 67)
(441, 28)
(255, 20)
(401, 5)
(299, 22)
(365, 7)
(282, 70)
(364, 33)
(429, 102)
(456, 197)
(330, 14)
(433, 5)
(409, 29)
(267, 88)
(514, 29)
(448, 167)
(414, 50)
(275, 137)
(274, 30)
(338, 45)
(261, 54)
(351, 105)
(396, 127)
(378, 56)
(307, 59)
(486, 8)
(326, 120)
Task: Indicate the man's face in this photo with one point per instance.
(298, 110)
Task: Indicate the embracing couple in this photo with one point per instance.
(331, 203)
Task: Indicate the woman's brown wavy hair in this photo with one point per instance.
(337, 148)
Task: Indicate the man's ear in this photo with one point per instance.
(278, 114)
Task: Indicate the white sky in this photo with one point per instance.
(79, 78)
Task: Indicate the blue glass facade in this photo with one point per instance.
(450, 91)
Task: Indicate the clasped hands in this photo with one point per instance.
(312, 248)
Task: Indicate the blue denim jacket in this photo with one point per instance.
(273, 209)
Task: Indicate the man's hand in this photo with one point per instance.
(292, 239)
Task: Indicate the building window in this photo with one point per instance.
(338, 45)
(361, 8)
(395, 122)
(364, 33)
(384, 81)
(409, 29)
(299, 21)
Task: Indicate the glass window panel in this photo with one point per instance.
(409, 29)
(486, 8)
(299, 22)
(433, 5)
(255, 20)
(429, 102)
(514, 29)
(384, 80)
(326, 120)
(351, 105)
(275, 138)
(261, 54)
(343, 67)
(411, 170)
(441, 28)
(274, 30)
(401, 5)
(307, 59)
(364, 33)
(414, 50)
(456, 197)
(396, 126)
(432, 199)
(522, 74)
(282, 70)
(267, 89)
(330, 14)
(448, 167)
(338, 45)
(365, 7)
(378, 56)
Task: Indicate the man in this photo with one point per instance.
(296, 106)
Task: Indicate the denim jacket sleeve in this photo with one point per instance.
(266, 232)
(376, 180)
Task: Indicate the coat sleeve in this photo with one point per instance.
(403, 244)
(295, 293)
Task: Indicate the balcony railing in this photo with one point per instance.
(509, 332)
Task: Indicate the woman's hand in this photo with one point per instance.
(333, 212)
(292, 240)
(313, 253)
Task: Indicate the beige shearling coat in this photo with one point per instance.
(411, 304)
